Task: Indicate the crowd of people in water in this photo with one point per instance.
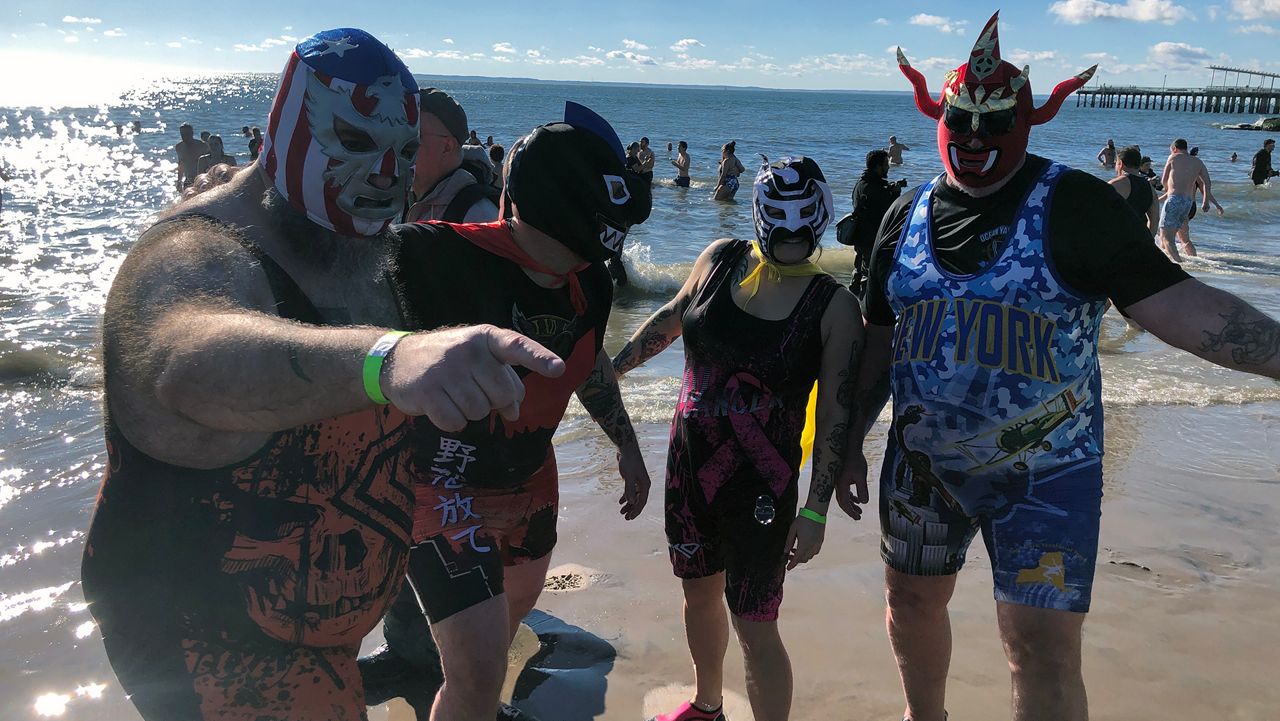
(332, 377)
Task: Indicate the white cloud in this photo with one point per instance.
(505, 48)
(1258, 28)
(500, 58)
(1178, 55)
(841, 63)
(630, 44)
(82, 21)
(582, 60)
(1213, 11)
(173, 44)
(265, 44)
(191, 41)
(882, 21)
(684, 44)
(1143, 11)
(1255, 9)
(71, 39)
(114, 33)
(451, 55)
(532, 54)
(633, 58)
(1101, 58)
(942, 24)
(447, 41)
(688, 63)
(1017, 56)
(595, 49)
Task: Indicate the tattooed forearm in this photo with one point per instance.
(849, 376)
(651, 339)
(603, 400)
(1249, 337)
(824, 476)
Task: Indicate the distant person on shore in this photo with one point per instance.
(215, 156)
(488, 141)
(872, 196)
(730, 169)
(1107, 156)
(988, 289)
(497, 154)
(1182, 172)
(472, 139)
(895, 150)
(4, 178)
(1262, 169)
(1149, 173)
(682, 164)
(1136, 189)
(645, 156)
(189, 151)
(761, 322)
(255, 143)
(443, 187)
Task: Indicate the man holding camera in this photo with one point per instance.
(872, 197)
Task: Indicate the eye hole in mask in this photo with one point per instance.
(617, 189)
(775, 213)
(809, 210)
(353, 139)
(994, 122)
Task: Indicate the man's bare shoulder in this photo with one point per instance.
(186, 260)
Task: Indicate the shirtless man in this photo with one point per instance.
(895, 150)
(682, 165)
(646, 160)
(1182, 171)
(1134, 188)
(215, 156)
(255, 518)
(189, 151)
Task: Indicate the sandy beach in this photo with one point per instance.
(1184, 622)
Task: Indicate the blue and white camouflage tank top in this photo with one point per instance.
(995, 375)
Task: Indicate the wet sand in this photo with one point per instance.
(1185, 621)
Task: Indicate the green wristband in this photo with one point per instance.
(813, 516)
(373, 365)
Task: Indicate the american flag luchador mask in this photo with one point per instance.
(343, 132)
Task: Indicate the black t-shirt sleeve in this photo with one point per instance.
(1101, 247)
(875, 306)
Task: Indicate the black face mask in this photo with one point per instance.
(569, 183)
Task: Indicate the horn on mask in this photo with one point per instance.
(926, 104)
(1045, 113)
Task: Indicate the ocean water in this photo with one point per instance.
(81, 194)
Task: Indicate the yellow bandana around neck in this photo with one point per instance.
(775, 271)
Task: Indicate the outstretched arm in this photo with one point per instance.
(1214, 325)
(841, 356)
(602, 398)
(870, 393)
(666, 324)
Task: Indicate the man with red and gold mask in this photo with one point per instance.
(987, 288)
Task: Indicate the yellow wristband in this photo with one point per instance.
(373, 365)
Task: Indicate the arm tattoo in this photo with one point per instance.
(1252, 340)
(296, 365)
(848, 377)
(824, 478)
(648, 341)
(602, 398)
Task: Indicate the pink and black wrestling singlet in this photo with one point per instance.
(243, 592)
(734, 460)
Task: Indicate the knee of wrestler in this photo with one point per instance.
(757, 637)
(915, 597)
(1035, 652)
(704, 594)
(474, 681)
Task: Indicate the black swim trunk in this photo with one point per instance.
(682, 181)
(464, 537)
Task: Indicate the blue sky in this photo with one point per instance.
(817, 44)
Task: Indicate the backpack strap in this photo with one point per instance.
(469, 195)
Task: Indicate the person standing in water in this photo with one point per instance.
(682, 165)
(730, 169)
(761, 322)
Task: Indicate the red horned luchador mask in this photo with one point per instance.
(986, 112)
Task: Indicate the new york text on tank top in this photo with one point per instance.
(995, 374)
